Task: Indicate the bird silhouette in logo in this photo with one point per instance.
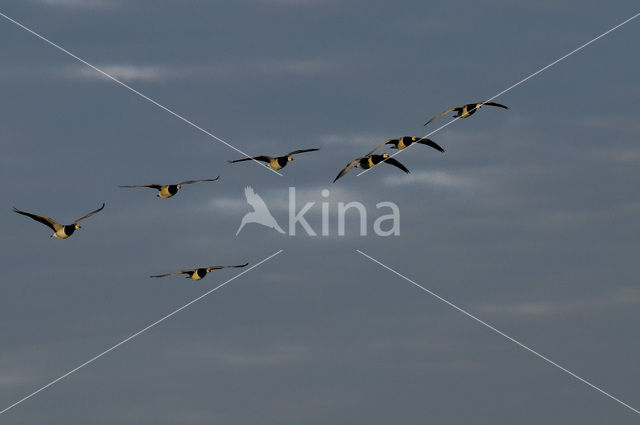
(260, 214)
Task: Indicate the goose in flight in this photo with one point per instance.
(168, 190)
(260, 213)
(60, 231)
(370, 161)
(406, 141)
(275, 163)
(465, 111)
(199, 273)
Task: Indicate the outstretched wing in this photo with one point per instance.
(442, 114)
(49, 222)
(493, 104)
(254, 199)
(346, 169)
(89, 215)
(301, 151)
(153, 186)
(228, 267)
(263, 158)
(196, 181)
(429, 142)
(378, 147)
(174, 273)
(395, 163)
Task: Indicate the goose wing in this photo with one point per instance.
(89, 215)
(228, 267)
(429, 142)
(201, 180)
(388, 141)
(49, 222)
(153, 186)
(174, 273)
(493, 104)
(263, 158)
(346, 169)
(301, 151)
(396, 163)
(442, 114)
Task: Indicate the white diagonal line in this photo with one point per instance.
(91, 360)
(175, 114)
(499, 332)
(544, 68)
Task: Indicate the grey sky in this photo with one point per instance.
(529, 220)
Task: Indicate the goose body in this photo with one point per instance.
(369, 161)
(277, 162)
(465, 111)
(199, 273)
(65, 231)
(406, 141)
(168, 190)
(60, 231)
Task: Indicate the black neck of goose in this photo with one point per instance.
(471, 109)
(407, 140)
(376, 159)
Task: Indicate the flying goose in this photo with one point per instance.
(168, 190)
(370, 161)
(197, 274)
(466, 110)
(276, 163)
(59, 230)
(406, 141)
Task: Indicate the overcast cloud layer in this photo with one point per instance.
(529, 220)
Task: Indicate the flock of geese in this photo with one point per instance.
(370, 160)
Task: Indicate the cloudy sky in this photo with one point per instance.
(528, 221)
